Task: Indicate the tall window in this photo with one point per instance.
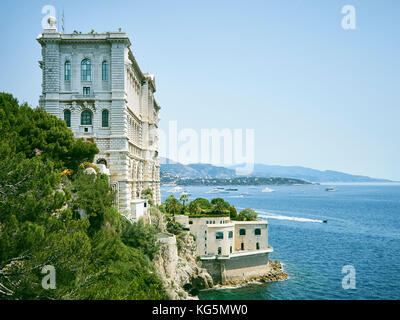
(86, 70)
(230, 234)
(67, 118)
(86, 118)
(219, 250)
(242, 246)
(67, 71)
(104, 119)
(105, 70)
(257, 246)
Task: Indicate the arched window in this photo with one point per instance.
(105, 70)
(104, 119)
(102, 161)
(86, 70)
(67, 71)
(67, 118)
(86, 118)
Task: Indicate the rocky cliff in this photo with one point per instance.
(177, 261)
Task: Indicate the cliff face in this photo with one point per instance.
(177, 262)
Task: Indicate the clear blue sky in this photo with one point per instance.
(316, 95)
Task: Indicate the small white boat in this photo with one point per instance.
(267, 190)
(217, 190)
(175, 190)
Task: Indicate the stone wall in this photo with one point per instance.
(237, 269)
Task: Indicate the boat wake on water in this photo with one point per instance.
(270, 215)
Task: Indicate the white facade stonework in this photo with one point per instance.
(128, 137)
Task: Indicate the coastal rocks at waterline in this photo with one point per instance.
(274, 272)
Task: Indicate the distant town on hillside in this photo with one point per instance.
(207, 174)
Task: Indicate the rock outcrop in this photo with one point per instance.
(178, 263)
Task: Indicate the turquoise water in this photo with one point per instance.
(363, 230)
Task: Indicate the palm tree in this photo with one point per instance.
(184, 198)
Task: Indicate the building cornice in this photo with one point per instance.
(47, 37)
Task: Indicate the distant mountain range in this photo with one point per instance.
(207, 171)
(196, 171)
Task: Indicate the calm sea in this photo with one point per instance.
(363, 231)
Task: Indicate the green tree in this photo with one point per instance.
(35, 132)
(141, 236)
(233, 213)
(204, 204)
(247, 215)
(194, 208)
(184, 198)
(172, 205)
(220, 206)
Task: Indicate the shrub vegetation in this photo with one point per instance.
(97, 256)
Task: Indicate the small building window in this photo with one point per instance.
(105, 70)
(219, 235)
(257, 232)
(207, 221)
(86, 91)
(67, 118)
(104, 118)
(257, 246)
(86, 118)
(86, 70)
(242, 232)
(242, 246)
(67, 71)
(219, 250)
(213, 222)
(145, 204)
(190, 222)
(230, 234)
(230, 249)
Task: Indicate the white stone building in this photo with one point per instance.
(231, 251)
(94, 83)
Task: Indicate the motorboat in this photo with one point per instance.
(175, 190)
